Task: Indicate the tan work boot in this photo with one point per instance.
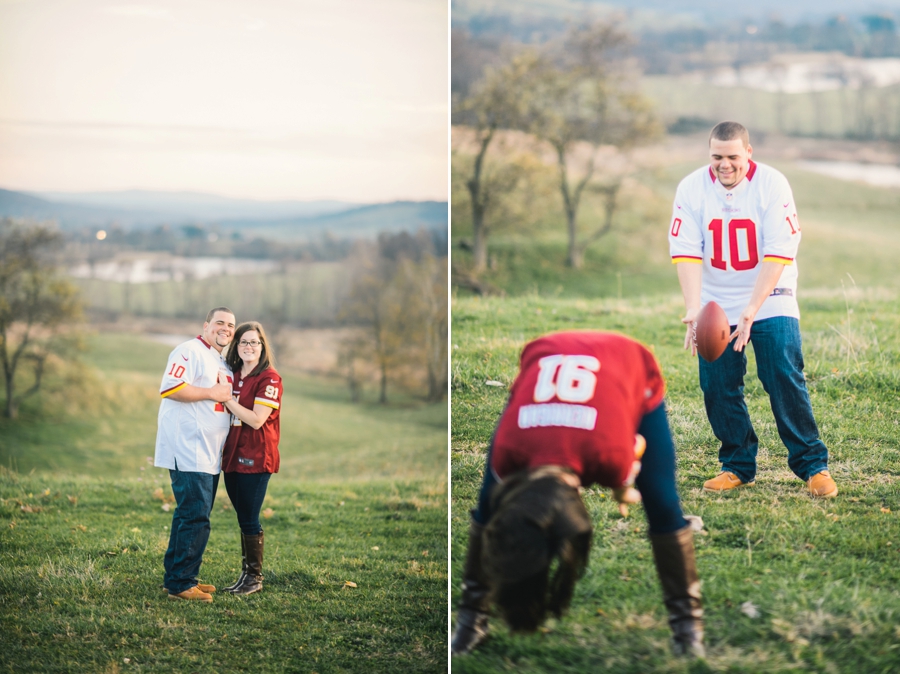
(193, 594)
(822, 485)
(725, 481)
(203, 587)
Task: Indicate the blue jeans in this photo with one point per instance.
(656, 481)
(247, 491)
(195, 494)
(779, 364)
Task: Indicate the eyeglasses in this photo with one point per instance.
(254, 343)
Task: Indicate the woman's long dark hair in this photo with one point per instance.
(538, 521)
(266, 357)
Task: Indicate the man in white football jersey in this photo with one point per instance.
(733, 238)
(192, 427)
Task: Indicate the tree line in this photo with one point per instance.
(394, 304)
(679, 47)
(398, 306)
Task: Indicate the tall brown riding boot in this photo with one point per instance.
(253, 578)
(472, 617)
(677, 571)
(233, 587)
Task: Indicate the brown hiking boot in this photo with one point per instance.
(822, 485)
(194, 593)
(725, 481)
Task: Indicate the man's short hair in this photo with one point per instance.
(730, 131)
(212, 312)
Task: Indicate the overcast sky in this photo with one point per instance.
(269, 99)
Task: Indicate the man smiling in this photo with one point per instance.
(192, 427)
(734, 235)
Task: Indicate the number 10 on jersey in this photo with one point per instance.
(735, 228)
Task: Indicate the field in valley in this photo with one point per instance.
(355, 567)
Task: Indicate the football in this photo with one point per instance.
(711, 331)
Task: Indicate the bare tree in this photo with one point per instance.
(398, 303)
(426, 286)
(495, 102)
(375, 306)
(579, 94)
(35, 307)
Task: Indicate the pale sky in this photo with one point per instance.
(266, 99)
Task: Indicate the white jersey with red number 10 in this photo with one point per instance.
(732, 231)
(191, 435)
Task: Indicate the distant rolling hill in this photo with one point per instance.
(282, 220)
(480, 16)
(22, 205)
(361, 221)
(196, 205)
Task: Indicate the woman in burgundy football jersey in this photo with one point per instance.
(251, 449)
(586, 408)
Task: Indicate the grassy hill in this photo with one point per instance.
(361, 497)
(822, 575)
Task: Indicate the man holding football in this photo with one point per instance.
(733, 238)
(192, 427)
(586, 408)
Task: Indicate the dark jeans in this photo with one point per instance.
(247, 491)
(195, 494)
(656, 481)
(779, 364)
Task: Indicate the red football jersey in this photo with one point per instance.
(577, 402)
(255, 450)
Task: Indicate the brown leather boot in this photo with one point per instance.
(231, 588)
(253, 577)
(677, 571)
(472, 617)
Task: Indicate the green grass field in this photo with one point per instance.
(361, 497)
(823, 574)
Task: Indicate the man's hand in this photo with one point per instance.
(690, 337)
(742, 330)
(765, 284)
(222, 391)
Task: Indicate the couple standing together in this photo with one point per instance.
(219, 413)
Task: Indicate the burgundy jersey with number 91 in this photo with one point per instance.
(577, 402)
(249, 450)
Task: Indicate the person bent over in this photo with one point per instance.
(586, 408)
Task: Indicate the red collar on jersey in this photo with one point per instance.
(205, 343)
(750, 172)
